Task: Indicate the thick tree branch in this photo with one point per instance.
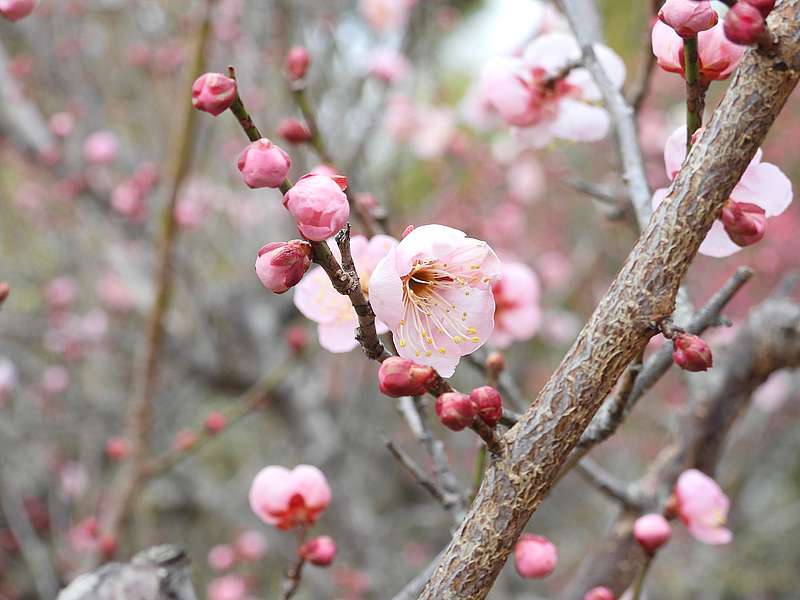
(643, 293)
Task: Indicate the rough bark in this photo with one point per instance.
(770, 341)
(643, 293)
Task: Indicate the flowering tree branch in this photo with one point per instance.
(642, 294)
(769, 341)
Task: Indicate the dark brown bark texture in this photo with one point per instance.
(642, 294)
(769, 341)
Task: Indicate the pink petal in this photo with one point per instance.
(667, 46)
(316, 299)
(580, 122)
(765, 185)
(715, 536)
(552, 52)
(338, 336)
(386, 290)
(717, 243)
(675, 151)
(310, 482)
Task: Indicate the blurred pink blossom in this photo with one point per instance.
(221, 557)
(385, 15)
(525, 180)
(227, 587)
(315, 297)
(62, 124)
(533, 91)
(100, 148)
(771, 395)
(55, 380)
(433, 290)
(517, 312)
(388, 65)
(251, 545)
(74, 479)
(703, 507)
(14, 10)
(61, 292)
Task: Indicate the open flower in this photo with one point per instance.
(286, 499)
(762, 184)
(544, 92)
(718, 57)
(517, 313)
(434, 291)
(315, 297)
(703, 507)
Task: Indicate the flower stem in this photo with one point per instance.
(638, 585)
(480, 465)
(695, 89)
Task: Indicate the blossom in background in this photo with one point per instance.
(388, 65)
(385, 15)
(762, 185)
(315, 297)
(8, 378)
(227, 587)
(517, 313)
(434, 291)
(718, 57)
(287, 499)
(703, 507)
(100, 148)
(545, 94)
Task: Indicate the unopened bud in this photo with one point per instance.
(185, 440)
(688, 17)
(319, 551)
(402, 377)
(294, 131)
(744, 24)
(5, 290)
(599, 593)
(14, 10)
(455, 411)
(281, 265)
(263, 164)
(107, 546)
(691, 353)
(495, 363)
(535, 556)
(652, 531)
(215, 422)
(117, 449)
(297, 62)
(297, 339)
(745, 223)
(488, 404)
(764, 6)
(213, 93)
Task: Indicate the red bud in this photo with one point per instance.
(488, 404)
(744, 222)
(402, 377)
(744, 24)
(691, 353)
(455, 411)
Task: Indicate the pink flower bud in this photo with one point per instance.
(107, 545)
(263, 164)
(117, 449)
(703, 507)
(294, 131)
(455, 411)
(691, 353)
(213, 93)
(535, 556)
(764, 6)
(100, 148)
(652, 531)
(297, 339)
(184, 440)
(488, 404)
(599, 593)
(14, 10)
(319, 551)
(318, 205)
(744, 24)
(297, 61)
(5, 290)
(688, 17)
(745, 223)
(402, 377)
(495, 362)
(61, 124)
(215, 422)
(281, 265)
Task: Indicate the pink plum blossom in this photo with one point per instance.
(434, 292)
(221, 557)
(263, 164)
(388, 65)
(315, 297)
(703, 507)
(227, 587)
(543, 93)
(100, 148)
(535, 556)
(319, 551)
(281, 265)
(286, 499)
(385, 15)
(718, 57)
(318, 205)
(762, 184)
(517, 313)
(652, 531)
(14, 10)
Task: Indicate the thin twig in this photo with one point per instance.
(417, 472)
(603, 481)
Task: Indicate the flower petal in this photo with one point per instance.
(765, 185)
(338, 336)
(717, 243)
(580, 122)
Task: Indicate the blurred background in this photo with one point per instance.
(92, 96)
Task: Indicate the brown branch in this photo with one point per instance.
(600, 479)
(643, 293)
(140, 413)
(769, 341)
(417, 473)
